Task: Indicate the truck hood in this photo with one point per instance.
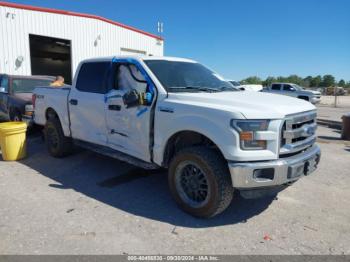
(252, 105)
(312, 92)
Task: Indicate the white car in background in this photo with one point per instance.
(237, 84)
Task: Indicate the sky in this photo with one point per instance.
(239, 38)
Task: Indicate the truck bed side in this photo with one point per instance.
(49, 98)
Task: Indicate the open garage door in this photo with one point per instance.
(50, 56)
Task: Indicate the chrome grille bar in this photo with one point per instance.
(298, 132)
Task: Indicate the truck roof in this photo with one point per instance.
(283, 83)
(145, 58)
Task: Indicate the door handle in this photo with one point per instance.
(73, 102)
(114, 107)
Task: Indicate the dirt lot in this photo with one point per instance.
(342, 101)
(90, 204)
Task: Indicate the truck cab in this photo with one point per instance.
(174, 113)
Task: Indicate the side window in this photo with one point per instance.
(4, 83)
(276, 87)
(129, 77)
(288, 88)
(92, 77)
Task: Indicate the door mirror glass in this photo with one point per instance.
(131, 98)
(2, 90)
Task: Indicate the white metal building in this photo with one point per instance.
(42, 41)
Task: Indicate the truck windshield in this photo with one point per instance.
(178, 76)
(22, 85)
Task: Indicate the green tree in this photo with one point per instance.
(269, 80)
(252, 80)
(294, 79)
(341, 83)
(328, 80)
(307, 81)
(316, 81)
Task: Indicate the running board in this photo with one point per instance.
(103, 150)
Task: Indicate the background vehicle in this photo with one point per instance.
(331, 91)
(16, 95)
(294, 90)
(240, 86)
(177, 114)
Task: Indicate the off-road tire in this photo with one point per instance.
(218, 178)
(57, 144)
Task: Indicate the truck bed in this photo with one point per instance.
(55, 97)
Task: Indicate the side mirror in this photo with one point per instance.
(131, 98)
(2, 90)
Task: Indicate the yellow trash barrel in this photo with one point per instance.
(13, 140)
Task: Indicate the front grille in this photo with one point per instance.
(298, 133)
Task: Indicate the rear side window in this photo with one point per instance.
(92, 77)
(22, 85)
(276, 87)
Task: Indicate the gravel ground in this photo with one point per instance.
(332, 113)
(342, 101)
(91, 204)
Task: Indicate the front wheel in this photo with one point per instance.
(199, 182)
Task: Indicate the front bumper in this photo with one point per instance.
(250, 175)
(315, 100)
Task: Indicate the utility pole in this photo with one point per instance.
(160, 29)
(335, 96)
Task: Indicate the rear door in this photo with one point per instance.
(276, 88)
(86, 103)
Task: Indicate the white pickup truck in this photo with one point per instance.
(162, 112)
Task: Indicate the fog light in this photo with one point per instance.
(266, 174)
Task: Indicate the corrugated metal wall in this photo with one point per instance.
(16, 25)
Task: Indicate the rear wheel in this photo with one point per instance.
(57, 144)
(199, 181)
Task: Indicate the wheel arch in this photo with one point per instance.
(304, 97)
(187, 138)
(50, 112)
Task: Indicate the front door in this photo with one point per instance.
(289, 90)
(128, 128)
(87, 103)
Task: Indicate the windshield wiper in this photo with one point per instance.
(199, 88)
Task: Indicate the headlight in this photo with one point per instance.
(247, 130)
